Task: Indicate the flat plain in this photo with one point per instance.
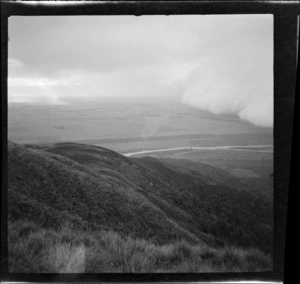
(128, 126)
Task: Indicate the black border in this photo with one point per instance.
(285, 33)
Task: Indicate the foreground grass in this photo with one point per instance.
(69, 250)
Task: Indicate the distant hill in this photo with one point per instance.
(156, 200)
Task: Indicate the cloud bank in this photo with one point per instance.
(232, 81)
(221, 64)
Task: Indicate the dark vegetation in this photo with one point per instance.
(68, 249)
(132, 214)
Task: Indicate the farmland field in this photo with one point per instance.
(126, 126)
(129, 127)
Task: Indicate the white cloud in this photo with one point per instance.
(236, 78)
(42, 81)
(40, 89)
(188, 58)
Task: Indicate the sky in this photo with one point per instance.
(218, 63)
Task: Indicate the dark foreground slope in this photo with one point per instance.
(98, 190)
(50, 189)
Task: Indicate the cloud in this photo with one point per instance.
(215, 90)
(98, 44)
(259, 116)
(184, 58)
(236, 78)
(41, 81)
(38, 89)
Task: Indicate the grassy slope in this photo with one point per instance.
(203, 200)
(95, 188)
(48, 188)
(218, 203)
(69, 250)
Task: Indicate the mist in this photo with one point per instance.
(221, 64)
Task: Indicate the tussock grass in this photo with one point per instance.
(70, 250)
(67, 258)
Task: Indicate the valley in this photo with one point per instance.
(181, 191)
(163, 201)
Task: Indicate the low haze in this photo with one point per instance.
(220, 64)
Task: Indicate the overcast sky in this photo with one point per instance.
(222, 64)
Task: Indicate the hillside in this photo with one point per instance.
(49, 188)
(96, 189)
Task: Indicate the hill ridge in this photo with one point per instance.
(87, 174)
(147, 198)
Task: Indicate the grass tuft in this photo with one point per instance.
(67, 258)
(70, 250)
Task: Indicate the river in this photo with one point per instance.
(253, 148)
